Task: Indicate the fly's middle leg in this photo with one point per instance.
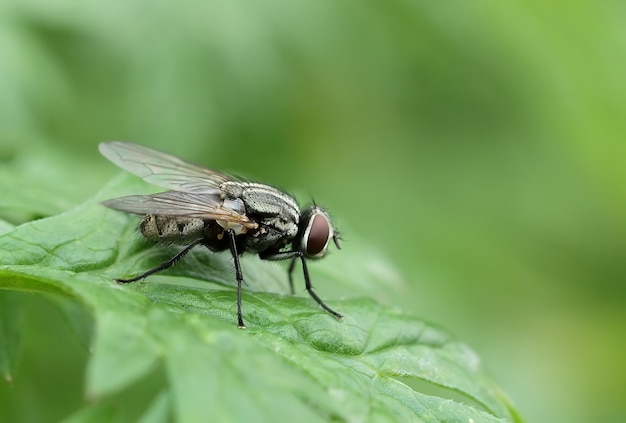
(238, 274)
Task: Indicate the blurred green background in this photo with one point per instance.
(480, 146)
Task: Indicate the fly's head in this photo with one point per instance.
(315, 231)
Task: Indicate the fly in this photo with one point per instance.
(209, 208)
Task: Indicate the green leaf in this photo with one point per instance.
(92, 414)
(124, 345)
(293, 362)
(5, 226)
(158, 411)
(12, 315)
(76, 317)
(51, 188)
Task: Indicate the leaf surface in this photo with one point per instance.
(293, 362)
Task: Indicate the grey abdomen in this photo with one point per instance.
(171, 229)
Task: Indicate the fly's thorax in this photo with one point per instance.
(276, 213)
(263, 200)
(171, 229)
(232, 189)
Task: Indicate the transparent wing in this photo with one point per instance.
(174, 203)
(162, 169)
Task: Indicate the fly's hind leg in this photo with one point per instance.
(163, 266)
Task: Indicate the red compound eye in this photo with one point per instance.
(318, 235)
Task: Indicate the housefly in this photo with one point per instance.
(209, 208)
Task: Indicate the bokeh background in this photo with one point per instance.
(479, 146)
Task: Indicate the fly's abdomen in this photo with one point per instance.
(171, 229)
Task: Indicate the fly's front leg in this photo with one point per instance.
(309, 288)
(238, 274)
(293, 255)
